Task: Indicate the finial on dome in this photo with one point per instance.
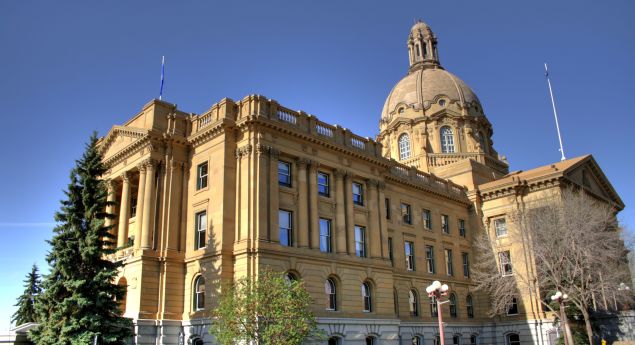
(422, 47)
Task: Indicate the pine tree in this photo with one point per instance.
(26, 301)
(80, 296)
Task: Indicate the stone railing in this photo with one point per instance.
(417, 177)
(441, 159)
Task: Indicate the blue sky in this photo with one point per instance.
(68, 68)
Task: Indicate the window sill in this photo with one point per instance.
(201, 190)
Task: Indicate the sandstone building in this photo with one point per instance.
(366, 223)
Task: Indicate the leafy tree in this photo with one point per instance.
(262, 311)
(80, 296)
(26, 301)
(573, 242)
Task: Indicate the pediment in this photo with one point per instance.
(588, 175)
(120, 137)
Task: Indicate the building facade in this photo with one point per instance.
(367, 224)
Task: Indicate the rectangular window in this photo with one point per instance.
(133, 207)
(427, 219)
(387, 202)
(285, 221)
(390, 253)
(201, 176)
(200, 220)
(506, 263)
(323, 184)
(406, 213)
(501, 227)
(445, 223)
(360, 241)
(325, 235)
(284, 174)
(466, 265)
(513, 308)
(410, 256)
(358, 194)
(434, 310)
(430, 259)
(449, 269)
(461, 227)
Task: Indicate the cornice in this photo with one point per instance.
(129, 150)
(210, 132)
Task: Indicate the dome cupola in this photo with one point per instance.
(432, 118)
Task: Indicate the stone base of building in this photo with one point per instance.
(353, 331)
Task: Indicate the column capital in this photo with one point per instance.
(262, 149)
(274, 153)
(381, 185)
(340, 173)
(372, 183)
(314, 165)
(125, 176)
(302, 162)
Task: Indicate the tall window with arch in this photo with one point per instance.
(453, 311)
(413, 301)
(447, 140)
(404, 146)
(331, 294)
(199, 293)
(469, 304)
(512, 339)
(367, 297)
(417, 340)
(433, 307)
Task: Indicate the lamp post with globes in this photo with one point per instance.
(561, 299)
(436, 290)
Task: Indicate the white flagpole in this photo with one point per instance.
(555, 113)
(162, 70)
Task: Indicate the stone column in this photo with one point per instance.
(148, 205)
(350, 213)
(373, 220)
(313, 206)
(273, 195)
(110, 207)
(340, 213)
(140, 205)
(124, 210)
(383, 223)
(303, 214)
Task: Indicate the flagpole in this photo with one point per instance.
(555, 113)
(162, 74)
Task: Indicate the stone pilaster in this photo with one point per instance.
(383, 223)
(340, 213)
(313, 206)
(274, 195)
(373, 220)
(303, 213)
(350, 213)
(124, 210)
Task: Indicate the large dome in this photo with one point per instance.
(423, 87)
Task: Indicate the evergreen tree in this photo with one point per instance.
(80, 296)
(26, 302)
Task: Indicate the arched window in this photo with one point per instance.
(198, 341)
(512, 339)
(404, 147)
(469, 306)
(447, 140)
(417, 340)
(473, 339)
(413, 301)
(199, 293)
(334, 341)
(366, 296)
(437, 340)
(331, 294)
(433, 307)
(370, 341)
(456, 339)
(290, 277)
(453, 305)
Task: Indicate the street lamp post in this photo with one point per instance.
(561, 298)
(436, 290)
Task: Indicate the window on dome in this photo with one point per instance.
(404, 147)
(401, 110)
(447, 140)
(442, 102)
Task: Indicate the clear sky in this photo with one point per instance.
(67, 68)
